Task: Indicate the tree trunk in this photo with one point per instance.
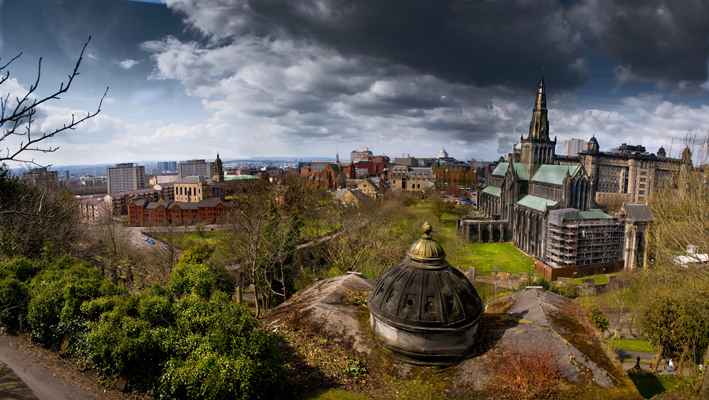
(658, 357)
(685, 350)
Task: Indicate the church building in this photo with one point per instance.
(521, 192)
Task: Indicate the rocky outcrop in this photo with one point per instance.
(528, 320)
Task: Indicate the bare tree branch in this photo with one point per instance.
(17, 121)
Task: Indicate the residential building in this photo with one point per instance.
(144, 212)
(350, 196)
(454, 173)
(41, 176)
(167, 166)
(92, 208)
(117, 202)
(412, 178)
(195, 168)
(574, 146)
(125, 177)
(373, 186)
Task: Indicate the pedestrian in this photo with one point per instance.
(652, 365)
(671, 368)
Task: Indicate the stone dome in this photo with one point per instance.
(424, 309)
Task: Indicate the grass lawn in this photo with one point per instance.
(630, 344)
(650, 385)
(485, 257)
(600, 279)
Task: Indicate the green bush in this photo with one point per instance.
(187, 340)
(598, 318)
(535, 280)
(188, 278)
(567, 289)
(57, 293)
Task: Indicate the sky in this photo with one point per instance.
(309, 78)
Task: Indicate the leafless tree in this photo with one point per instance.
(17, 115)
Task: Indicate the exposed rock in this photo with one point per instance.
(529, 319)
(320, 308)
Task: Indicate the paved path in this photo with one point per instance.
(25, 376)
(12, 387)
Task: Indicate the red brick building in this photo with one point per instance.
(144, 212)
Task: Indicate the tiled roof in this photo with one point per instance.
(321, 166)
(554, 174)
(536, 203)
(639, 212)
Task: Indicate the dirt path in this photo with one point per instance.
(47, 375)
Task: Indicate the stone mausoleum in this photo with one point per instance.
(423, 309)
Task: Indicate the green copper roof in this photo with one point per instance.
(495, 191)
(594, 213)
(553, 174)
(501, 169)
(536, 203)
(520, 170)
(238, 177)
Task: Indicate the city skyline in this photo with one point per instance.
(283, 79)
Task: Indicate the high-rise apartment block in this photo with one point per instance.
(167, 165)
(574, 146)
(124, 177)
(195, 168)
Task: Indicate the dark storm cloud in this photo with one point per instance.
(483, 43)
(662, 41)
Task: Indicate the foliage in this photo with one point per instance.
(567, 289)
(532, 280)
(440, 207)
(197, 254)
(36, 216)
(598, 319)
(186, 340)
(57, 292)
(528, 373)
(356, 298)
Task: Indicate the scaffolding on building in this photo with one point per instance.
(573, 240)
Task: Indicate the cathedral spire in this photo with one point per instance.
(337, 155)
(539, 126)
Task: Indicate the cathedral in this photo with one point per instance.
(521, 192)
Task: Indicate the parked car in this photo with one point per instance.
(151, 241)
(145, 238)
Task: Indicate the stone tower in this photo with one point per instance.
(537, 148)
(217, 170)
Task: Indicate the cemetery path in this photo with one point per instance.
(31, 372)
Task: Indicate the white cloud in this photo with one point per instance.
(128, 63)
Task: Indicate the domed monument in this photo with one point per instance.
(423, 309)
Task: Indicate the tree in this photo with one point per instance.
(262, 228)
(440, 207)
(33, 215)
(17, 117)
